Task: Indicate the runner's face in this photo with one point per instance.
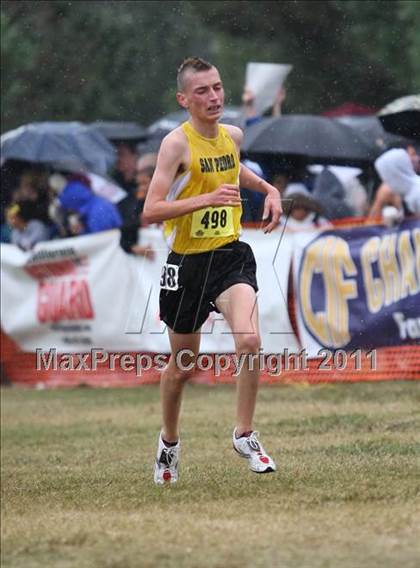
(204, 95)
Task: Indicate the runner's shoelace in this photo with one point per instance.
(253, 442)
(167, 457)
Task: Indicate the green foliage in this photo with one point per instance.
(16, 58)
(340, 51)
(410, 18)
(92, 60)
(66, 60)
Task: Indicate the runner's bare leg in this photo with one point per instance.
(239, 307)
(173, 380)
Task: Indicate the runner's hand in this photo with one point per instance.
(226, 194)
(272, 206)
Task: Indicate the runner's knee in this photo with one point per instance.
(182, 375)
(181, 368)
(248, 342)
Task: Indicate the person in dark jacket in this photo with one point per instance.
(131, 208)
(125, 168)
(330, 193)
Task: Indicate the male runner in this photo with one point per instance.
(195, 190)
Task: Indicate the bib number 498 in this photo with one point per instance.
(217, 218)
(169, 277)
(212, 222)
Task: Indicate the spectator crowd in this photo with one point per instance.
(40, 203)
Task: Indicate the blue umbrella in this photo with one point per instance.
(116, 131)
(64, 143)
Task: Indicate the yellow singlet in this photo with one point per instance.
(213, 161)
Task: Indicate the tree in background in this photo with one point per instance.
(65, 60)
(364, 51)
(88, 60)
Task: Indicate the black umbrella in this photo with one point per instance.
(402, 116)
(371, 130)
(120, 131)
(313, 139)
(64, 143)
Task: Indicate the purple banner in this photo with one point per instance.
(360, 287)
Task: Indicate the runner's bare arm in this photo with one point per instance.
(249, 180)
(157, 209)
(272, 203)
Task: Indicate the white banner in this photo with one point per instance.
(86, 292)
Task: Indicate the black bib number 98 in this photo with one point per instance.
(169, 277)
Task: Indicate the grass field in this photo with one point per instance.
(77, 486)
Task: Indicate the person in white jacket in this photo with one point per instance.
(401, 191)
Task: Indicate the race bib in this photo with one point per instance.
(169, 277)
(212, 222)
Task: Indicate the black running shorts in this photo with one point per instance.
(191, 283)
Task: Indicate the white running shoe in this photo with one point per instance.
(249, 447)
(167, 462)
